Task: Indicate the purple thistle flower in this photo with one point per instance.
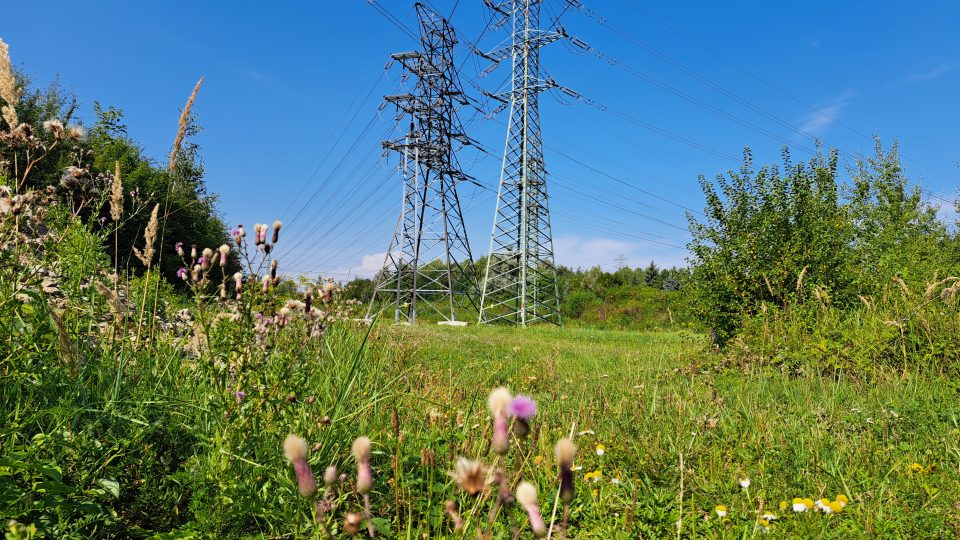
(240, 395)
(182, 273)
(522, 407)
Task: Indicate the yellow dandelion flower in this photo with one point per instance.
(809, 503)
(842, 499)
(601, 449)
(799, 505)
(537, 460)
(595, 492)
(721, 510)
(783, 505)
(835, 507)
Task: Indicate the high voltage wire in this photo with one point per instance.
(767, 83)
(692, 73)
(339, 130)
(325, 234)
(307, 231)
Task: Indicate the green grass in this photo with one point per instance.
(651, 398)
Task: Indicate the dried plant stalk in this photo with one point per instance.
(8, 87)
(116, 194)
(150, 236)
(182, 127)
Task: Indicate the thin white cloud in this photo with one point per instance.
(934, 73)
(823, 117)
(575, 251)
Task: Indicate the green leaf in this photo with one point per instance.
(111, 485)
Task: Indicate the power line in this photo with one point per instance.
(767, 83)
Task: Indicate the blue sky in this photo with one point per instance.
(291, 124)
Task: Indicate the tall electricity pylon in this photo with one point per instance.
(520, 282)
(428, 266)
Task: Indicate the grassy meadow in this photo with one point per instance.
(890, 444)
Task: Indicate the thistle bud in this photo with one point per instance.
(224, 253)
(330, 476)
(565, 451)
(498, 402)
(308, 301)
(193, 251)
(351, 523)
(295, 448)
(179, 247)
(527, 497)
(276, 231)
(273, 269)
(361, 452)
(238, 281)
(266, 284)
(451, 509)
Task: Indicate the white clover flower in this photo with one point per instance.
(744, 483)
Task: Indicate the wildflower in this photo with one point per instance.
(266, 284)
(54, 127)
(565, 452)
(615, 481)
(193, 251)
(240, 395)
(283, 316)
(527, 497)
(238, 281)
(295, 448)
(76, 132)
(745, 483)
(600, 449)
(768, 517)
(307, 300)
(834, 507)
(808, 502)
(721, 511)
(586, 432)
(224, 252)
(783, 505)
(351, 523)
(799, 505)
(842, 499)
(763, 525)
(330, 476)
(822, 505)
(237, 233)
(471, 476)
(361, 452)
(450, 507)
(522, 408)
(179, 248)
(328, 289)
(182, 273)
(276, 231)
(593, 476)
(497, 402)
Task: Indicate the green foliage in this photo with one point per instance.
(773, 238)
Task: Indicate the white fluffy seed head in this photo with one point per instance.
(499, 400)
(361, 448)
(565, 451)
(526, 494)
(295, 448)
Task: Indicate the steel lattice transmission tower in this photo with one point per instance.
(520, 283)
(428, 266)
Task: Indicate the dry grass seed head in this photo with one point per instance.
(149, 236)
(116, 194)
(182, 125)
(8, 88)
